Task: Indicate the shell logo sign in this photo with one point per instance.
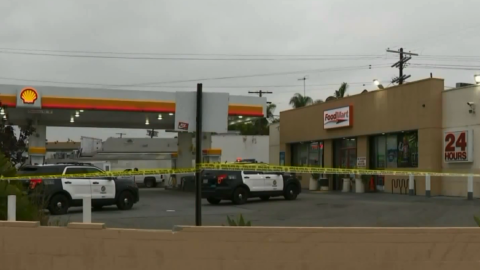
(29, 95)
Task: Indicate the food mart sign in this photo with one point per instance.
(337, 118)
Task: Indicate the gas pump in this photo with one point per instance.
(212, 155)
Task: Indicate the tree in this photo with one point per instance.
(298, 101)
(340, 93)
(318, 101)
(258, 126)
(13, 147)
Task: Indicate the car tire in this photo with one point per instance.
(97, 207)
(125, 200)
(213, 200)
(240, 195)
(290, 192)
(150, 182)
(59, 205)
(264, 198)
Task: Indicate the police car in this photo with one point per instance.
(58, 195)
(239, 186)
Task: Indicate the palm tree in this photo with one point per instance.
(298, 101)
(340, 93)
(270, 109)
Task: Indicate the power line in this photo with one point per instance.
(174, 86)
(184, 58)
(194, 54)
(266, 74)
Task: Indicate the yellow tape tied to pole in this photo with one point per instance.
(261, 167)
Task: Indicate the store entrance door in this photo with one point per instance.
(348, 158)
(345, 157)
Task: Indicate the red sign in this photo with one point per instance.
(182, 125)
(456, 146)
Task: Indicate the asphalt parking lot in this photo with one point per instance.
(162, 209)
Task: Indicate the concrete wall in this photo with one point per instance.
(274, 144)
(456, 115)
(89, 246)
(238, 146)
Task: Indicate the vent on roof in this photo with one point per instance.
(461, 84)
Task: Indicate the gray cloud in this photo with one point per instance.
(328, 27)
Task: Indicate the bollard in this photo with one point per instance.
(411, 185)
(470, 187)
(12, 208)
(427, 185)
(87, 209)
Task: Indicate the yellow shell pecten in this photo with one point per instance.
(29, 96)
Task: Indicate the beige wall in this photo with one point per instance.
(412, 106)
(456, 115)
(274, 144)
(25, 247)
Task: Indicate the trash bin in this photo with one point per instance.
(313, 185)
(346, 185)
(323, 184)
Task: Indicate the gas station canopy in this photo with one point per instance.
(108, 108)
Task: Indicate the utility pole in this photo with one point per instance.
(260, 93)
(401, 64)
(121, 134)
(198, 157)
(303, 79)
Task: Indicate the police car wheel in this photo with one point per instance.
(264, 198)
(125, 201)
(150, 182)
(59, 205)
(213, 200)
(240, 195)
(291, 192)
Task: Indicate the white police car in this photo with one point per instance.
(59, 194)
(239, 186)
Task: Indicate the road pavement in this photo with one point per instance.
(162, 209)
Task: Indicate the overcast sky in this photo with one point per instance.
(351, 34)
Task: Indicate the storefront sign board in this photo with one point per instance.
(458, 145)
(361, 162)
(338, 118)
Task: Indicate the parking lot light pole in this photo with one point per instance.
(198, 159)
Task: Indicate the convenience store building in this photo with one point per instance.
(400, 128)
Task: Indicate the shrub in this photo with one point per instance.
(239, 222)
(26, 209)
(477, 220)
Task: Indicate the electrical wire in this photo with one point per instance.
(265, 74)
(185, 58)
(192, 54)
(184, 86)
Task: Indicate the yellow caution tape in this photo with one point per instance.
(261, 167)
(106, 174)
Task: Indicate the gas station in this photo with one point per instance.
(130, 109)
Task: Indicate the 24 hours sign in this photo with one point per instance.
(458, 146)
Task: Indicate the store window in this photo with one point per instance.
(398, 150)
(307, 154)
